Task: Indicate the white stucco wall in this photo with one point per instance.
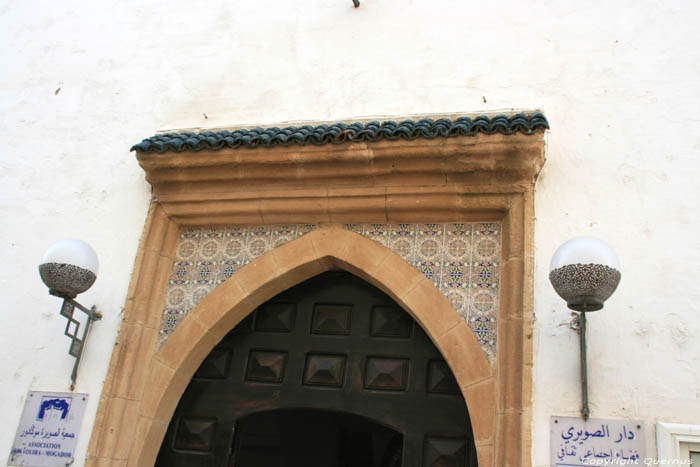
(618, 81)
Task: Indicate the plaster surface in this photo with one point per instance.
(81, 82)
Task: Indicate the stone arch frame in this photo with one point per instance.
(465, 179)
(292, 263)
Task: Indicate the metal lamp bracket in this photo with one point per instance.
(585, 411)
(73, 331)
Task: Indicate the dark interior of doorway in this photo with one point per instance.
(303, 437)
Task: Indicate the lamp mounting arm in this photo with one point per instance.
(585, 411)
(73, 330)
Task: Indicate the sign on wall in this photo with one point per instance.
(48, 430)
(597, 441)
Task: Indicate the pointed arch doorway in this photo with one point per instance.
(330, 372)
(485, 176)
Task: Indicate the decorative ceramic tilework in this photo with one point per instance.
(462, 260)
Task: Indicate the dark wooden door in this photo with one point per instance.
(332, 367)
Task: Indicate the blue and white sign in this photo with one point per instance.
(597, 441)
(48, 430)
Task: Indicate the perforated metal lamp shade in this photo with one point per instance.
(585, 272)
(69, 267)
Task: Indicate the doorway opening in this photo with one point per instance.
(307, 437)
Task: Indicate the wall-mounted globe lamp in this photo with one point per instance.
(585, 272)
(68, 268)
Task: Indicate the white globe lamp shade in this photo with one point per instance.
(585, 272)
(69, 267)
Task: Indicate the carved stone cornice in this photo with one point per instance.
(331, 182)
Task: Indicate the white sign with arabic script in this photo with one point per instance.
(48, 430)
(577, 443)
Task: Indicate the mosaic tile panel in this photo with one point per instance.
(462, 260)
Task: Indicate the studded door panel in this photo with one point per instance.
(332, 343)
